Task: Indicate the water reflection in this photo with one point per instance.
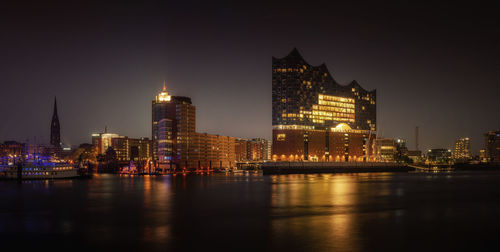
(344, 212)
(314, 212)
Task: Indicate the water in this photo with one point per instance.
(343, 212)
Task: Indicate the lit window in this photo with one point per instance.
(281, 137)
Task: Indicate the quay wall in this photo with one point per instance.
(270, 168)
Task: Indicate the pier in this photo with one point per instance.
(270, 168)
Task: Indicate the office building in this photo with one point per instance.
(182, 114)
(256, 149)
(177, 145)
(415, 156)
(438, 155)
(462, 149)
(492, 146)
(482, 156)
(126, 149)
(212, 152)
(385, 149)
(165, 142)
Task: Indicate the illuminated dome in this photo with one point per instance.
(342, 126)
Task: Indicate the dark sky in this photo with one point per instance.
(434, 65)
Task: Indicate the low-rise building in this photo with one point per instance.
(439, 155)
(385, 149)
(126, 149)
(415, 156)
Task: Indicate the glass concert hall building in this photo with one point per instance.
(317, 119)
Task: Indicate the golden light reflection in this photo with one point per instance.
(147, 190)
(319, 207)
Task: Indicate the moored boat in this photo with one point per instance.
(39, 170)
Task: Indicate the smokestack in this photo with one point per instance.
(416, 138)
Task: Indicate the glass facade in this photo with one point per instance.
(308, 95)
(317, 119)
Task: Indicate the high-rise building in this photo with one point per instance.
(178, 146)
(55, 128)
(492, 142)
(462, 149)
(182, 114)
(165, 143)
(315, 118)
(160, 110)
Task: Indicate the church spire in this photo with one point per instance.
(55, 107)
(164, 86)
(55, 129)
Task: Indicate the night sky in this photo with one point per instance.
(434, 66)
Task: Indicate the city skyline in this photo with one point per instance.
(111, 82)
(274, 125)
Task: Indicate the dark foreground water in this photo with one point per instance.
(346, 212)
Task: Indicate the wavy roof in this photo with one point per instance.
(295, 55)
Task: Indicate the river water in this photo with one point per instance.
(252, 212)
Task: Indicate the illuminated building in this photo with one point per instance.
(13, 148)
(176, 141)
(182, 114)
(160, 110)
(212, 151)
(183, 129)
(385, 149)
(482, 155)
(415, 156)
(257, 149)
(401, 148)
(492, 141)
(317, 119)
(126, 148)
(55, 128)
(241, 151)
(462, 149)
(165, 143)
(439, 155)
(140, 148)
(102, 141)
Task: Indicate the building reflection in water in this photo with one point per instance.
(315, 212)
(157, 196)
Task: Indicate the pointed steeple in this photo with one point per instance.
(55, 128)
(55, 107)
(164, 86)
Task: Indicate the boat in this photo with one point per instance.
(39, 170)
